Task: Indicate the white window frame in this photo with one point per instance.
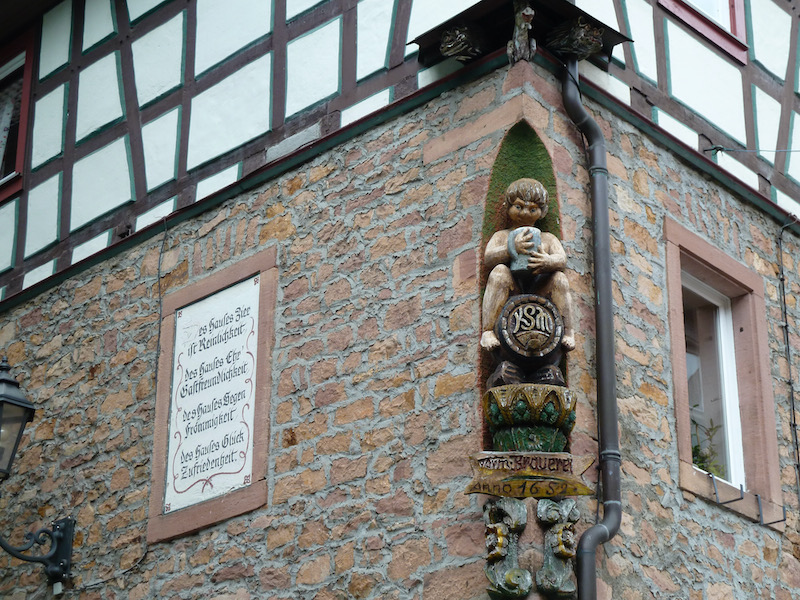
(728, 378)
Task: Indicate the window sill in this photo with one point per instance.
(699, 483)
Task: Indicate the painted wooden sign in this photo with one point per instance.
(529, 474)
(212, 410)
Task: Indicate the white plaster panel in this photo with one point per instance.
(768, 118)
(293, 142)
(38, 274)
(671, 125)
(56, 36)
(374, 19)
(438, 71)
(99, 100)
(43, 213)
(8, 238)
(216, 182)
(295, 7)
(640, 22)
(137, 8)
(366, 106)
(787, 203)
(225, 27)
(772, 30)
(158, 60)
(425, 15)
(603, 11)
(309, 80)
(737, 169)
(715, 91)
(100, 183)
(612, 85)
(232, 112)
(93, 246)
(160, 140)
(98, 23)
(155, 214)
(48, 126)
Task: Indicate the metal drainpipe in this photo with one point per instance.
(788, 346)
(610, 457)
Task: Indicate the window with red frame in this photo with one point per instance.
(11, 78)
(720, 21)
(15, 85)
(721, 12)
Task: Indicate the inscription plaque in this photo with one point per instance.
(529, 474)
(210, 450)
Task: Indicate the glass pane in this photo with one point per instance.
(709, 438)
(12, 421)
(10, 104)
(716, 10)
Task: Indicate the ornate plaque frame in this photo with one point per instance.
(162, 525)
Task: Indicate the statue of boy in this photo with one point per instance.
(524, 259)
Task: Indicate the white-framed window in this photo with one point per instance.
(716, 430)
(721, 372)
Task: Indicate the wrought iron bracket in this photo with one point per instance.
(57, 560)
(761, 513)
(741, 497)
(716, 492)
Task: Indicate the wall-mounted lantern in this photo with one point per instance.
(15, 413)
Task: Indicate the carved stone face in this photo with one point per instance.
(522, 213)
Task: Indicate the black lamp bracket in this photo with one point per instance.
(58, 559)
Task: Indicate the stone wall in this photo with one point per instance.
(375, 399)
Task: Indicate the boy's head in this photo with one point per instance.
(526, 201)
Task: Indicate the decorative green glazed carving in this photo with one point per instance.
(530, 417)
(554, 579)
(505, 519)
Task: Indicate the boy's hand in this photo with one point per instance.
(524, 243)
(539, 262)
